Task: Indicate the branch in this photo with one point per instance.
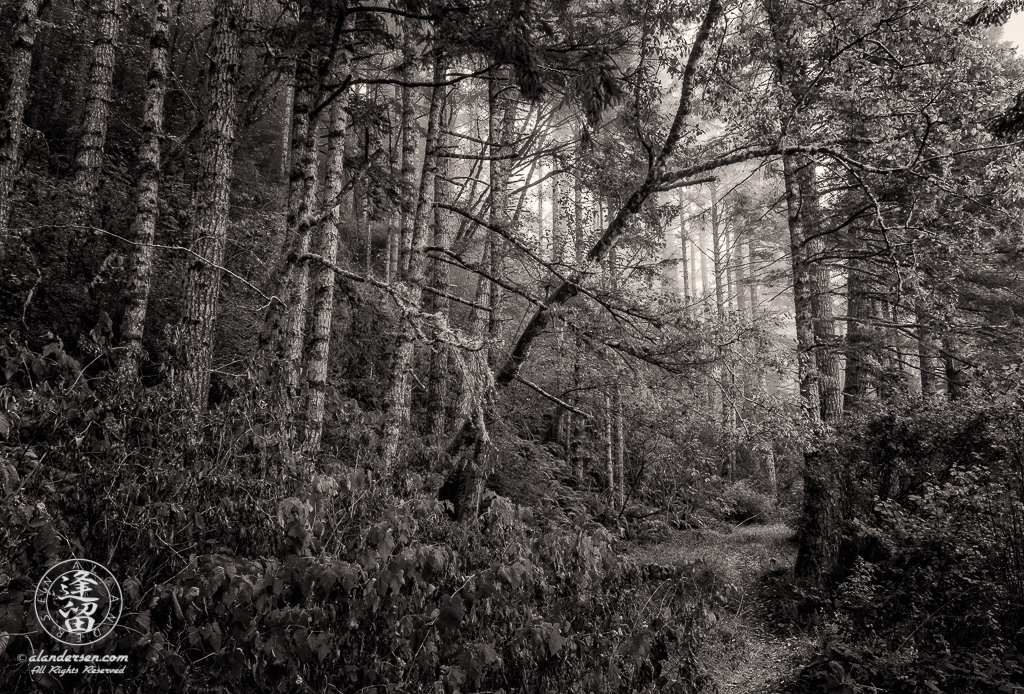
(347, 274)
(552, 398)
(162, 247)
(331, 97)
(569, 288)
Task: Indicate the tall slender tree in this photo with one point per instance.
(324, 279)
(12, 121)
(397, 415)
(210, 217)
(147, 193)
(93, 136)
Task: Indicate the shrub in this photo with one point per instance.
(234, 578)
(929, 598)
(742, 504)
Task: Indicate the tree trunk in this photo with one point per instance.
(821, 521)
(928, 353)
(542, 242)
(742, 265)
(620, 447)
(684, 250)
(824, 321)
(500, 116)
(438, 382)
(284, 322)
(609, 445)
(146, 195)
(410, 136)
(210, 217)
(324, 280)
(286, 130)
(89, 153)
(717, 232)
(956, 377)
(705, 279)
(12, 123)
(858, 338)
(559, 225)
(890, 378)
(397, 415)
(577, 219)
(753, 281)
(807, 362)
(821, 526)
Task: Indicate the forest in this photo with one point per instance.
(465, 346)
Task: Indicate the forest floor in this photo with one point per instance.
(745, 653)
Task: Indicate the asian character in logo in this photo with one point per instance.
(75, 590)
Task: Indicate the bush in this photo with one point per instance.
(929, 598)
(234, 578)
(742, 504)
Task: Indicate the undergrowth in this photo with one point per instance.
(235, 580)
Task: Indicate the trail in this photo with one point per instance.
(743, 653)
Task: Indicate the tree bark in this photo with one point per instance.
(324, 280)
(620, 447)
(821, 520)
(397, 415)
(609, 445)
(13, 119)
(956, 376)
(928, 353)
(410, 136)
(542, 241)
(283, 322)
(210, 217)
(684, 253)
(858, 338)
(500, 118)
(146, 195)
(807, 362)
(559, 223)
(705, 278)
(91, 141)
(753, 280)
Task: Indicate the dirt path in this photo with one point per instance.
(743, 653)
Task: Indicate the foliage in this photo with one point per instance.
(742, 504)
(229, 580)
(930, 597)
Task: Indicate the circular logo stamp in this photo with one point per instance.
(78, 602)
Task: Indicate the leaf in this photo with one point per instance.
(5, 639)
(177, 664)
(451, 613)
(555, 641)
(5, 425)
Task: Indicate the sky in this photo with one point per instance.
(1013, 31)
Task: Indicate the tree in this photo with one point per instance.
(12, 124)
(542, 316)
(324, 280)
(147, 194)
(93, 136)
(210, 217)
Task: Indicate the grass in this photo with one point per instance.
(742, 653)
